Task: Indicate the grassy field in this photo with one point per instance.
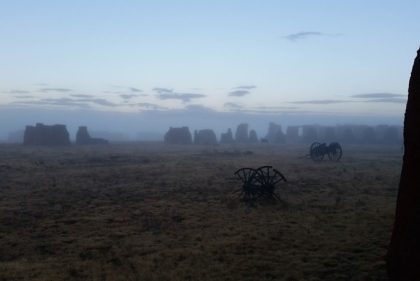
(163, 212)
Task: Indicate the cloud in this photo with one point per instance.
(25, 97)
(246, 87)
(111, 92)
(185, 97)
(319, 101)
(390, 100)
(127, 96)
(147, 105)
(55, 102)
(82, 96)
(162, 90)
(378, 96)
(269, 110)
(238, 93)
(278, 107)
(103, 102)
(83, 103)
(306, 34)
(198, 107)
(134, 90)
(41, 84)
(62, 90)
(232, 105)
(17, 92)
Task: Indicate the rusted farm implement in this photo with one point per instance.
(258, 184)
(318, 151)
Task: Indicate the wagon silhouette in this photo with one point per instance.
(259, 183)
(318, 151)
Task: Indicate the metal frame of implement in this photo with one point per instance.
(259, 183)
(317, 151)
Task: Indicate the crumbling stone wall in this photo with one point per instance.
(292, 134)
(391, 136)
(253, 138)
(330, 135)
(348, 135)
(241, 134)
(227, 137)
(275, 134)
(83, 137)
(178, 136)
(309, 134)
(369, 135)
(205, 137)
(54, 135)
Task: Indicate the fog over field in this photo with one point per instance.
(158, 122)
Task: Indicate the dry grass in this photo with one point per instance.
(156, 212)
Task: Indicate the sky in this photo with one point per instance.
(144, 66)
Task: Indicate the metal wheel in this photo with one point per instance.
(316, 151)
(334, 151)
(267, 178)
(250, 183)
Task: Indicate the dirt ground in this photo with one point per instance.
(165, 212)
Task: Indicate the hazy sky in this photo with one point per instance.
(173, 63)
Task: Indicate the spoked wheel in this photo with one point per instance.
(335, 151)
(316, 151)
(250, 183)
(267, 179)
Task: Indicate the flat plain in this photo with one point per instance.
(150, 211)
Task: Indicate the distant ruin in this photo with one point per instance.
(348, 136)
(178, 136)
(309, 133)
(275, 134)
(292, 134)
(253, 138)
(205, 137)
(46, 135)
(369, 135)
(391, 135)
(227, 137)
(330, 135)
(241, 134)
(83, 137)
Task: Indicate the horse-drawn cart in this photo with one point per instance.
(317, 151)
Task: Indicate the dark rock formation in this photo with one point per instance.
(205, 137)
(83, 137)
(253, 138)
(403, 257)
(292, 134)
(54, 135)
(227, 137)
(369, 135)
(241, 134)
(178, 136)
